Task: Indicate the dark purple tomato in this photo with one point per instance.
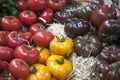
(75, 27)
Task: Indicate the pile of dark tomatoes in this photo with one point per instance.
(93, 26)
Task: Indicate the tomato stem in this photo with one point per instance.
(113, 37)
(11, 17)
(55, 1)
(16, 36)
(22, 29)
(60, 61)
(23, 63)
(110, 48)
(62, 39)
(27, 11)
(40, 26)
(6, 74)
(118, 66)
(33, 70)
(28, 47)
(88, 41)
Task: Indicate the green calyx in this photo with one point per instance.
(33, 70)
(55, 1)
(17, 36)
(28, 47)
(60, 61)
(61, 39)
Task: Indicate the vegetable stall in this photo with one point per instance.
(59, 40)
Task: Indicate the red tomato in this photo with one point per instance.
(3, 65)
(27, 53)
(56, 4)
(0, 23)
(25, 33)
(42, 39)
(6, 53)
(19, 68)
(1, 78)
(10, 23)
(27, 17)
(15, 39)
(36, 28)
(22, 5)
(6, 75)
(46, 16)
(37, 5)
(3, 35)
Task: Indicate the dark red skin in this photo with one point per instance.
(37, 5)
(6, 75)
(22, 5)
(27, 17)
(56, 4)
(36, 28)
(109, 31)
(18, 68)
(27, 53)
(10, 23)
(42, 39)
(25, 33)
(110, 54)
(47, 15)
(6, 53)
(15, 39)
(0, 23)
(75, 27)
(3, 35)
(3, 65)
(102, 14)
(1, 78)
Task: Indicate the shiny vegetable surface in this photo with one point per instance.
(110, 53)
(59, 67)
(44, 53)
(61, 45)
(39, 72)
(108, 71)
(109, 31)
(87, 45)
(75, 27)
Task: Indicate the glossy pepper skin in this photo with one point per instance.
(87, 45)
(109, 31)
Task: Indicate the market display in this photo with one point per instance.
(59, 40)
